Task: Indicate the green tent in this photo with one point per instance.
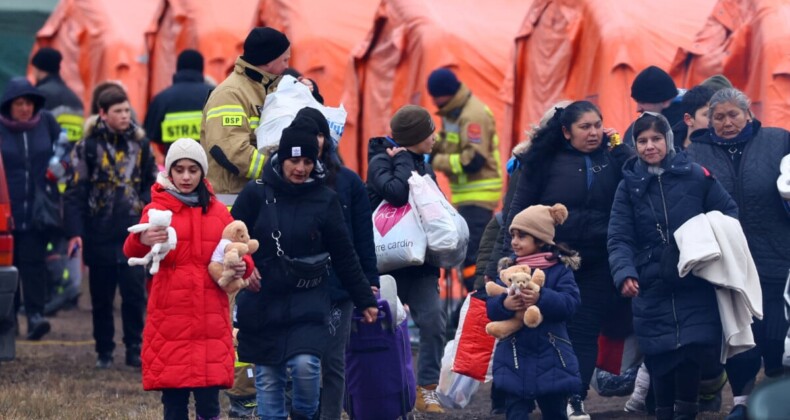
(19, 22)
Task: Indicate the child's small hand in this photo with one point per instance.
(530, 297)
(515, 303)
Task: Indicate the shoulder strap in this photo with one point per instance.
(270, 201)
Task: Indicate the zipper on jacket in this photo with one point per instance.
(666, 213)
(27, 179)
(515, 354)
(553, 341)
(677, 326)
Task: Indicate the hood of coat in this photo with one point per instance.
(454, 106)
(188, 76)
(379, 145)
(637, 176)
(17, 88)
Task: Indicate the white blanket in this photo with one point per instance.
(713, 247)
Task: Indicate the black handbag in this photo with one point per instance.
(47, 208)
(301, 273)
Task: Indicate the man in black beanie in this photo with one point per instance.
(233, 111)
(227, 133)
(467, 151)
(654, 91)
(59, 98)
(66, 106)
(176, 112)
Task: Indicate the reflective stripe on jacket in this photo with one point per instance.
(467, 151)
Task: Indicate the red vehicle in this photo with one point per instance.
(9, 277)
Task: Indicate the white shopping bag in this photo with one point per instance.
(281, 106)
(389, 292)
(398, 236)
(454, 390)
(446, 230)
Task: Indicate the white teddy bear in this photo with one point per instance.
(158, 251)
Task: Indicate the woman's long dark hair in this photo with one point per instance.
(332, 162)
(204, 196)
(549, 140)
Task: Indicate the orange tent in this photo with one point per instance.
(209, 26)
(747, 41)
(101, 40)
(593, 49)
(408, 40)
(322, 35)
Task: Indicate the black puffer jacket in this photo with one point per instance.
(26, 149)
(282, 321)
(388, 179)
(564, 179)
(762, 214)
(667, 314)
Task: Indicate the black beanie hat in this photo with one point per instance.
(653, 85)
(442, 82)
(190, 60)
(48, 60)
(300, 139)
(411, 125)
(319, 120)
(263, 45)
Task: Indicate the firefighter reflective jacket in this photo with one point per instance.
(467, 151)
(176, 112)
(227, 130)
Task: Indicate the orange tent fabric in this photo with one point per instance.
(101, 40)
(408, 40)
(593, 49)
(747, 41)
(213, 27)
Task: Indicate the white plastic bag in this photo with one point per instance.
(398, 236)
(389, 292)
(454, 390)
(446, 230)
(281, 106)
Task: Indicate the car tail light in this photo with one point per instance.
(6, 221)
(6, 250)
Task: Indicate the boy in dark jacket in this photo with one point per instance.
(113, 175)
(390, 163)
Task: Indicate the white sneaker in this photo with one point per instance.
(575, 409)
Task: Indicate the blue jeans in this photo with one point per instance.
(305, 370)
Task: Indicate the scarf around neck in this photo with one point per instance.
(745, 135)
(538, 260)
(19, 126)
(190, 200)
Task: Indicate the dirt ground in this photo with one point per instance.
(55, 379)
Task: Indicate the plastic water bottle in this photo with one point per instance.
(55, 165)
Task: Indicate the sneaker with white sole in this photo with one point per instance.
(427, 402)
(575, 409)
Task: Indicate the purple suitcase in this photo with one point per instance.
(380, 381)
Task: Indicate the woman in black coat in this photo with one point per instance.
(676, 320)
(284, 325)
(27, 134)
(745, 157)
(569, 161)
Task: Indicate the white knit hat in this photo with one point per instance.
(186, 149)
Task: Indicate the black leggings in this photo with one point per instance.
(176, 402)
(679, 384)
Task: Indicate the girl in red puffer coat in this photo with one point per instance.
(187, 343)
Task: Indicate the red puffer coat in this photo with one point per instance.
(187, 339)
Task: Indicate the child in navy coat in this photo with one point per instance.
(538, 364)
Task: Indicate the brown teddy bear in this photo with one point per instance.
(518, 278)
(235, 244)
